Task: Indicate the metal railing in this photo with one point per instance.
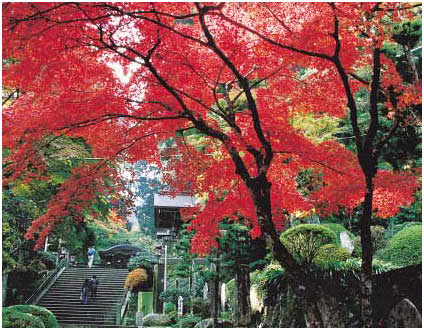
(51, 278)
(120, 310)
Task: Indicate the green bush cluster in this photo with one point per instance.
(169, 307)
(34, 312)
(338, 229)
(172, 294)
(156, 320)
(262, 278)
(141, 260)
(379, 240)
(201, 307)
(45, 315)
(329, 255)
(304, 240)
(404, 248)
(15, 319)
(187, 321)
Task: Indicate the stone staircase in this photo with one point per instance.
(63, 298)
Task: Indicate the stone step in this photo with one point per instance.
(63, 298)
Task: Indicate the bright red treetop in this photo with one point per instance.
(235, 74)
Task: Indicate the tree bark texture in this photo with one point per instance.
(214, 295)
(243, 296)
(367, 250)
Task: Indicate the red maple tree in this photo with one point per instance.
(235, 74)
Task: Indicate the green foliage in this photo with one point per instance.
(169, 307)
(308, 181)
(404, 248)
(316, 128)
(130, 314)
(231, 289)
(395, 228)
(142, 260)
(236, 247)
(338, 229)
(48, 318)
(330, 254)
(16, 319)
(411, 213)
(188, 321)
(304, 240)
(407, 33)
(156, 320)
(261, 279)
(171, 294)
(201, 307)
(379, 240)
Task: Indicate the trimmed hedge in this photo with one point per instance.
(304, 240)
(404, 248)
(188, 321)
(15, 319)
(338, 229)
(156, 320)
(330, 254)
(48, 318)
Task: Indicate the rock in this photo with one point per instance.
(207, 323)
(156, 320)
(404, 314)
(346, 242)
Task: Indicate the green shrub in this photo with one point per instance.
(231, 289)
(261, 279)
(169, 307)
(395, 228)
(379, 240)
(201, 307)
(172, 294)
(330, 254)
(354, 265)
(48, 318)
(338, 229)
(404, 248)
(15, 319)
(156, 320)
(304, 240)
(188, 321)
(141, 260)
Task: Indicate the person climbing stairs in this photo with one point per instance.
(63, 298)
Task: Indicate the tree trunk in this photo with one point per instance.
(4, 289)
(191, 283)
(243, 308)
(411, 62)
(214, 295)
(367, 251)
(260, 191)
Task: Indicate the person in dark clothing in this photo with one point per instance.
(94, 282)
(84, 291)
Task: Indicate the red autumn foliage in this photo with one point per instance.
(187, 65)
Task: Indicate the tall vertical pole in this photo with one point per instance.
(46, 243)
(165, 273)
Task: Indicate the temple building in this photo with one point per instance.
(167, 214)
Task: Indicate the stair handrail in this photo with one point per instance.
(120, 311)
(45, 285)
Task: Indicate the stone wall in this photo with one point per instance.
(337, 305)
